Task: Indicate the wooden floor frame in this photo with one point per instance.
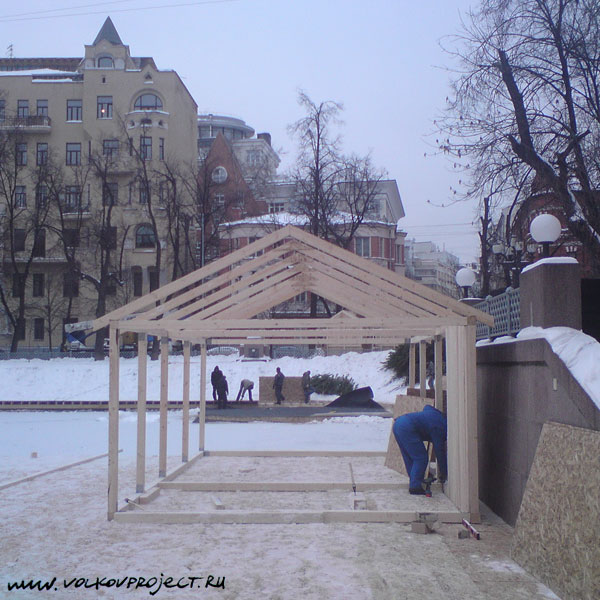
(222, 304)
(138, 510)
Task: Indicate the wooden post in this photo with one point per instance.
(422, 368)
(412, 365)
(164, 399)
(141, 413)
(202, 413)
(439, 371)
(185, 427)
(113, 422)
(463, 477)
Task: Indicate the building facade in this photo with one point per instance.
(90, 151)
(432, 267)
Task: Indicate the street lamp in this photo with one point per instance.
(545, 229)
(465, 278)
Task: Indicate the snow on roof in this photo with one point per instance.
(286, 218)
(39, 73)
(555, 260)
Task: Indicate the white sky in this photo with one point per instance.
(248, 58)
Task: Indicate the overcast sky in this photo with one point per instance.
(249, 58)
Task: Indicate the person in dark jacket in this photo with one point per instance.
(215, 376)
(278, 385)
(306, 387)
(222, 391)
(410, 431)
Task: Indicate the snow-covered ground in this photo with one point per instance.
(54, 526)
(86, 379)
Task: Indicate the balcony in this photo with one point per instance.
(30, 124)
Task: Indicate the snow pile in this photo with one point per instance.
(579, 352)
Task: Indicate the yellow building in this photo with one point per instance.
(94, 156)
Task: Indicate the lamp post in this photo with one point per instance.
(465, 278)
(545, 229)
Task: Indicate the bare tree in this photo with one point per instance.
(24, 220)
(526, 104)
(334, 192)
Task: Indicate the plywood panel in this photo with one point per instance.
(556, 535)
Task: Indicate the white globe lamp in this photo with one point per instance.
(465, 278)
(545, 229)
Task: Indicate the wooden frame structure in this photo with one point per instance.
(221, 304)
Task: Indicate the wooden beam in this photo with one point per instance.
(141, 413)
(185, 426)
(203, 382)
(214, 284)
(438, 349)
(196, 276)
(164, 400)
(422, 369)
(412, 365)
(113, 422)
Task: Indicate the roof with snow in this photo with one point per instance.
(223, 302)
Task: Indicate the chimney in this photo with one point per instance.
(264, 136)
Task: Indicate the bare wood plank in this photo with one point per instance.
(185, 427)
(163, 292)
(412, 366)
(216, 283)
(164, 399)
(113, 422)
(203, 382)
(439, 375)
(422, 369)
(141, 413)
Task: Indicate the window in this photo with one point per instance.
(276, 207)
(17, 282)
(22, 109)
(72, 198)
(138, 280)
(144, 237)
(161, 148)
(219, 175)
(363, 247)
(145, 147)
(71, 238)
(42, 108)
(104, 62)
(110, 147)
(220, 199)
(21, 154)
(41, 196)
(143, 197)
(38, 285)
(70, 285)
(19, 240)
(74, 110)
(41, 156)
(38, 329)
(73, 154)
(148, 102)
(110, 194)
(153, 278)
(109, 238)
(20, 196)
(39, 244)
(104, 107)
(2, 110)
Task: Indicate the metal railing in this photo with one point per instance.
(505, 308)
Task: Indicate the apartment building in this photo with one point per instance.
(91, 150)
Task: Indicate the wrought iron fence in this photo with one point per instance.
(505, 308)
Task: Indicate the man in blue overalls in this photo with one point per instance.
(410, 431)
